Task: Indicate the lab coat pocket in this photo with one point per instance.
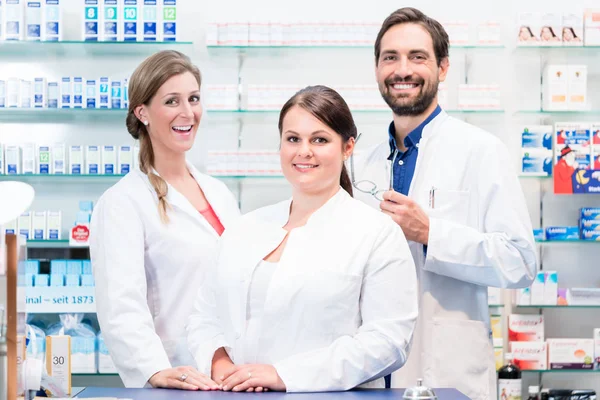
(453, 205)
(460, 351)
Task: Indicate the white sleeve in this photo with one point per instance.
(388, 306)
(205, 333)
(503, 253)
(117, 255)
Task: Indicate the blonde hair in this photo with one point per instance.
(145, 81)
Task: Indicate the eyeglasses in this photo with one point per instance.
(367, 186)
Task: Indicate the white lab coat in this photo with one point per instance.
(480, 235)
(147, 273)
(341, 305)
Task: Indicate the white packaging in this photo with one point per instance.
(2, 86)
(537, 288)
(571, 353)
(136, 156)
(13, 91)
(125, 159)
(93, 160)
(52, 25)
(12, 159)
(530, 355)
(14, 20)
(24, 224)
(91, 96)
(597, 348)
(577, 87)
(109, 160)
(77, 99)
(592, 27)
(494, 295)
(572, 29)
(555, 88)
(528, 29)
(125, 91)
(212, 34)
(9, 228)
(150, 20)
(58, 158)
(76, 160)
(33, 20)
(489, 33)
(525, 328)
(168, 32)
(1, 159)
(26, 94)
(44, 160)
(29, 158)
(115, 94)
(91, 21)
(550, 32)
(1, 26)
(524, 297)
(38, 225)
(110, 17)
(131, 21)
(58, 360)
(53, 94)
(104, 93)
(40, 93)
(54, 225)
(66, 92)
(551, 288)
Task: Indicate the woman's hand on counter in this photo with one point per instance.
(185, 378)
(252, 377)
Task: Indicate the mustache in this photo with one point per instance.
(398, 79)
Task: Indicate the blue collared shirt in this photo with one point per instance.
(403, 163)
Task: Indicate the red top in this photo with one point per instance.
(213, 220)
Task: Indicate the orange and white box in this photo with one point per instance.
(571, 353)
(530, 355)
(525, 328)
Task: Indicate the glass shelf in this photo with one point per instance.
(552, 242)
(551, 306)
(495, 305)
(375, 111)
(559, 47)
(333, 46)
(94, 374)
(572, 371)
(534, 177)
(73, 48)
(60, 114)
(48, 244)
(45, 178)
(561, 112)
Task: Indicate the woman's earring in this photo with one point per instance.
(145, 123)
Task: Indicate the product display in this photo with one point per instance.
(250, 163)
(555, 29)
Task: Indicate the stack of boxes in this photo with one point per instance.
(536, 150)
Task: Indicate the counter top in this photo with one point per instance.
(166, 394)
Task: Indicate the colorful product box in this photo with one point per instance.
(530, 355)
(571, 353)
(562, 233)
(525, 328)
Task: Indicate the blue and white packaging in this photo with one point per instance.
(59, 160)
(590, 224)
(538, 235)
(32, 267)
(10, 228)
(583, 155)
(110, 21)
(38, 225)
(590, 235)
(125, 102)
(58, 267)
(105, 362)
(40, 93)
(24, 224)
(72, 280)
(33, 20)
(104, 93)
(150, 20)
(125, 159)
(26, 94)
(2, 172)
(78, 92)
(86, 267)
(87, 280)
(12, 160)
(14, 20)
(29, 153)
(52, 21)
(115, 94)
(572, 133)
(76, 160)
(53, 94)
(54, 225)
(13, 92)
(109, 160)
(2, 90)
(537, 136)
(73, 267)
(590, 213)
(536, 162)
(57, 280)
(91, 21)
(131, 21)
(1, 21)
(41, 280)
(83, 342)
(93, 160)
(44, 160)
(169, 21)
(562, 233)
(66, 92)
(91, 95)
(29, 280)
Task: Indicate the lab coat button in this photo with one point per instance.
(401, 162)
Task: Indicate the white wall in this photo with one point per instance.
(517, 70)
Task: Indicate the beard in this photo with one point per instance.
(409, 108)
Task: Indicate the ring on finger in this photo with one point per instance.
(249, 374)
(183, 377)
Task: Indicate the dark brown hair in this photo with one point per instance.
(330, 108)
(145, 81)
(412, 15)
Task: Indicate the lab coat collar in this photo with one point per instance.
(430, 129)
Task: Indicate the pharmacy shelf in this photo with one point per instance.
(559, 242)
(534, 177)
(77, 179)
(558, 112)
(95, 374)
(358, 47)
(53, 300)
(82, 48)
(495, 305)
(49, 244)
(556, 306)
(371, 111)
(591, 48)
(28, 115)
(562, 371)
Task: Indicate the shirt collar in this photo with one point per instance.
(414, 136)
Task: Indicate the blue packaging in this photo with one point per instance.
(29, 280)
(562, 233)
(74, 267)
(91, 21)
(72, 280)
(58, 267)
(87, 267)
(104, 93)
(87, 280)
(590, 213)
(536, 162)
(538, 136)
(41, 280)
(538, 235)
(115, 94)
(57, 280)
(590, 235)
(590, 224)
(32, 267)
